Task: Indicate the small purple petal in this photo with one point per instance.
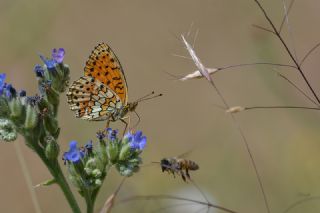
(128, 136)
(136, 141)
(73, 145)
(2, 78)
(138, 135)
(111, 134)
(58, 55)
(50, 63)
(74, 155)
(100, 135)
(143, 142)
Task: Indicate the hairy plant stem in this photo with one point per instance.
(91, 195)
(89, 201)
(56, 172)
(277, 33)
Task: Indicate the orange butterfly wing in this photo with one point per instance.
(104, 66)
(92, 100)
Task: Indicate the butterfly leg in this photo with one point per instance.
(126, 124)
(139, 119)
(107, 124)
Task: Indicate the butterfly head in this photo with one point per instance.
(132, 106)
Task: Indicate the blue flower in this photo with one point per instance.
(2, 78)
(74, 155)
(112, 134)
(88, 147)
(136, 141)
(22, 93)
(50, 63)
(2, 84)
(58, 55)
(9, 91)
(100, 135)
(38, 69)
(33, 100)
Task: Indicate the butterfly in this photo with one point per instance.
(102, 93)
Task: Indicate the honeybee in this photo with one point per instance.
(180, 166)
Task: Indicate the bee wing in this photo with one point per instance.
(185, 154)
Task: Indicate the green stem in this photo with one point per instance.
(56, 172)
(89, 201)
(91, 195)
(61, 180)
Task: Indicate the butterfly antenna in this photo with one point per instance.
(145, 96)
(148, 98)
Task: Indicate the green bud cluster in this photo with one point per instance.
(35, 117)
(88, 170)
(8, 131)
(129, 160)
(125, 159)
(88, 166)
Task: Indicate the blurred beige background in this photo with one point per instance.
(285, 143)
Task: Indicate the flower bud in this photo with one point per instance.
(88, 170)
(15, 107)
(4, 108)
(53, 96)
(113, 152)
(96, 173)
(39, 71)
(125, 152)
(91, 163)
(125, 170)
(31, 117)
(8, 131)
(51, 124)
(52, 149)
(66, 69)
(135, 161)
(98, 182)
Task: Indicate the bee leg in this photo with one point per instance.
(174, 176)
(187, 173)
(183, 176)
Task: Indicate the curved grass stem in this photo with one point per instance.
(277, 33)
(171, 197)
(281, 107)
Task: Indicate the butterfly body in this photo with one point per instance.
(102, 93)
